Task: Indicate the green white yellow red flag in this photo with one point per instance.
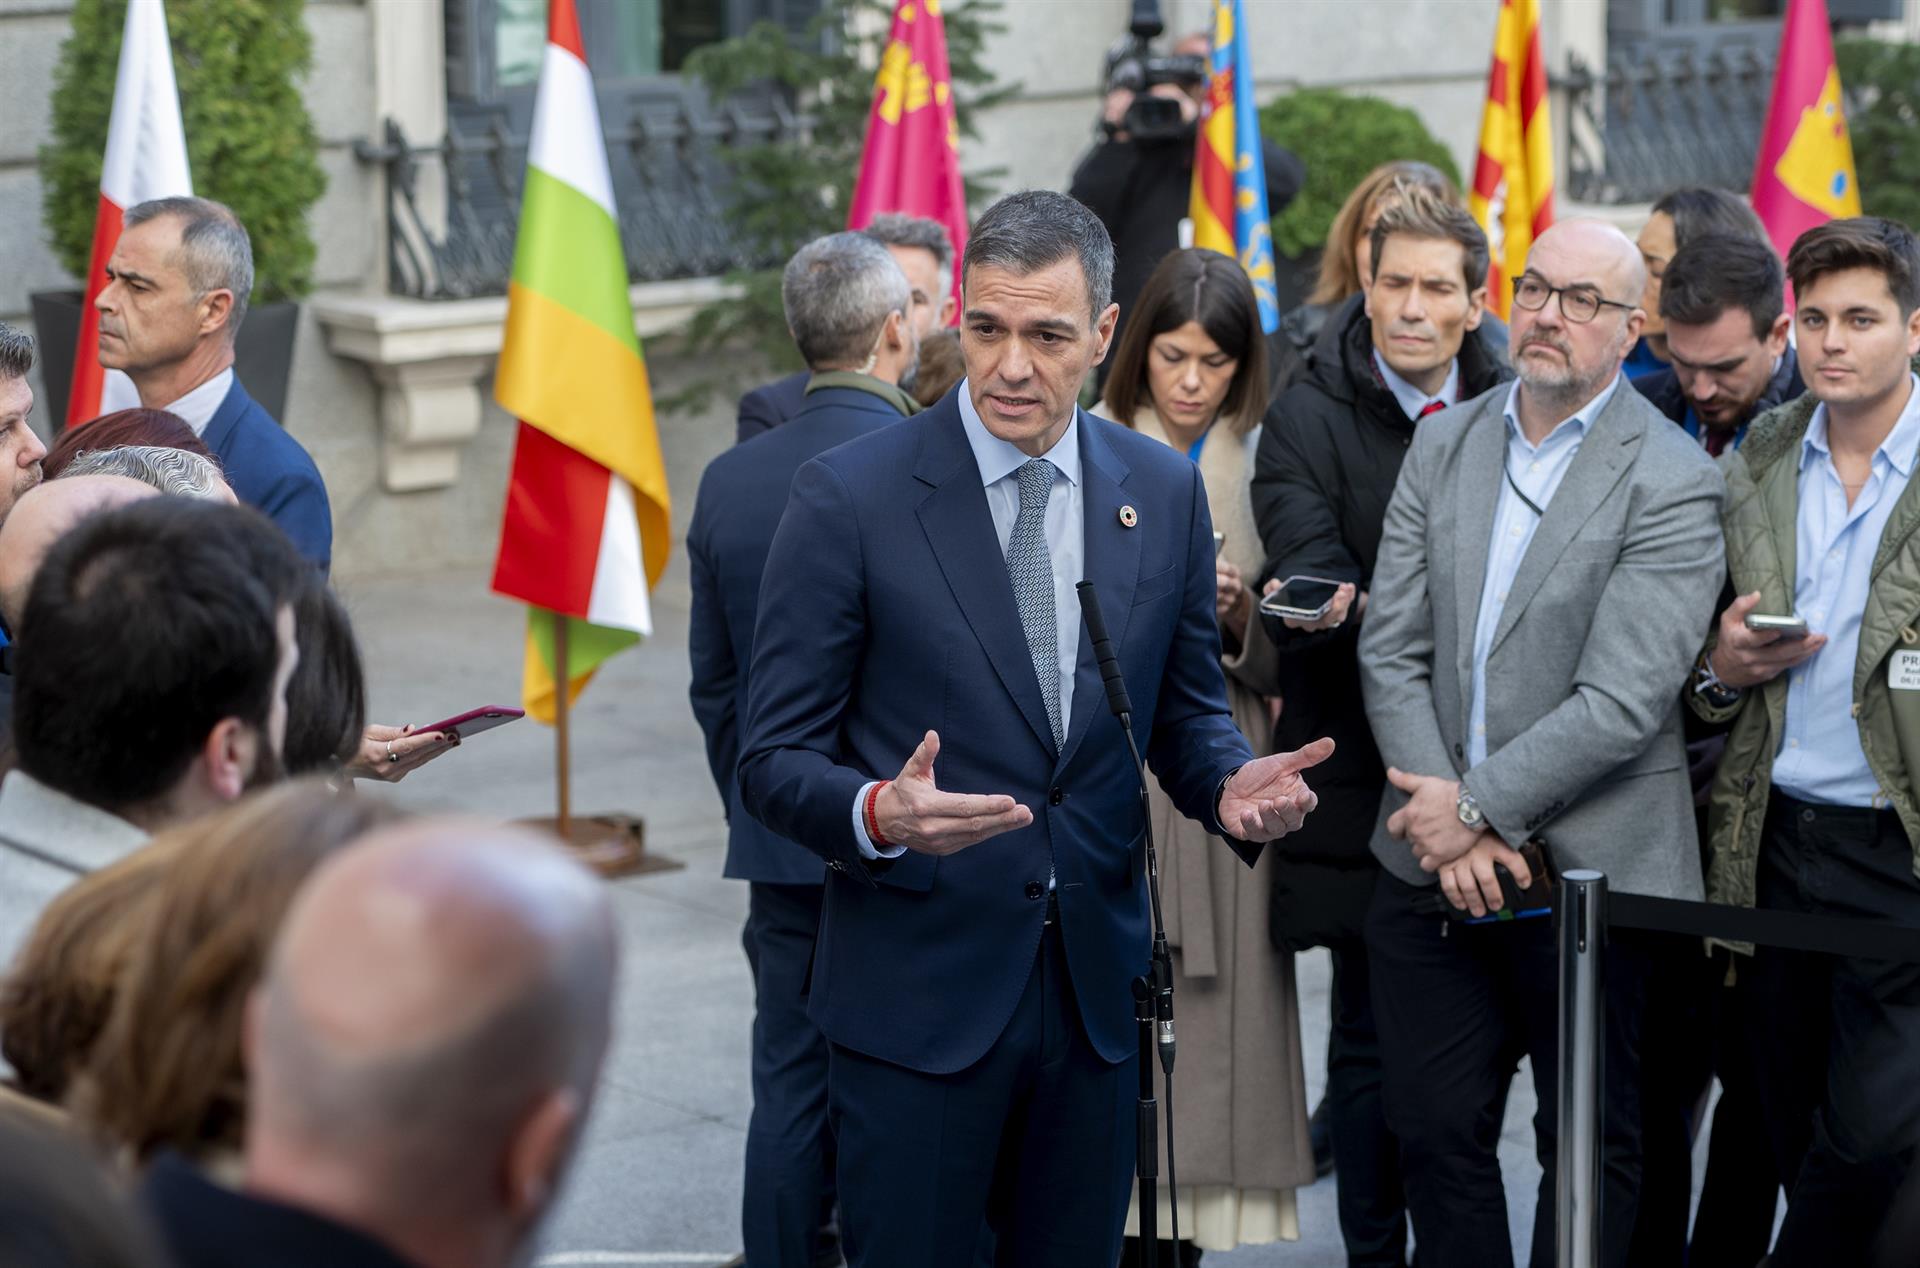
(586, 532)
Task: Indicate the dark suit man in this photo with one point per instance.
(976, 947)
(846, 300)
(177, 291)
(924, 253)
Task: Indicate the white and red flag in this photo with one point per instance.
(146, 158)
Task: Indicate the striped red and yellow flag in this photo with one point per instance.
(586, 532)
(1512, 195)
(1228, 203)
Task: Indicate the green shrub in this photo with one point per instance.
(1882, 83)
(1340, 138)
(249, 140)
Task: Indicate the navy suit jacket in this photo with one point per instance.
(887, 611)
(765, 408)
(268, 469)
(742, 494)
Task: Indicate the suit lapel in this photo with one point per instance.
(220, 427)
(1611, 441)
(1476, 492)
(1112, 555)
(960, 529)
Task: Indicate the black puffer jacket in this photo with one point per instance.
(1328, 456)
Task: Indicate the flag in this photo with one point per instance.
(911, 160)
(1804, 173)
(1512, 194)
(1229, 202)
(586, 533)
(146, 158)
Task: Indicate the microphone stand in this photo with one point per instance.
(1153, 990)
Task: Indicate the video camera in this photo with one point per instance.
(1133, 65)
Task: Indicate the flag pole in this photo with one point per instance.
(562, 689)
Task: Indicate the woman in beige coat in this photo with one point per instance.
(1190, 371)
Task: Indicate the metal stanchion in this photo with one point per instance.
(1582, 919)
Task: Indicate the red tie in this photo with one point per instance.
(1432, 407)
(1715, 439)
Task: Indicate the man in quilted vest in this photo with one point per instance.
(1813, 808)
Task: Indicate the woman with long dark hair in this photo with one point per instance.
(1191, 372)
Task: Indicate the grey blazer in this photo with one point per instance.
(1608, 610)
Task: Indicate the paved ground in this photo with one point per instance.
(657, 1181)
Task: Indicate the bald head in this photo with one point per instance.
(434, 990)
(42, 516)
(1594, 250)
(1562, 362)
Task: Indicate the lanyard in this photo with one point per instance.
(1506, 470)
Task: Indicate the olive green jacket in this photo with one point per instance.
(1761, 520)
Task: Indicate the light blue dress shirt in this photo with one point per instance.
(1820, 758)
(1066, 529)
(1538, 471)
(1414, 402)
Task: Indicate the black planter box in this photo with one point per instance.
(263, 357)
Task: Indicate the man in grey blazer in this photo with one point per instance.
(1548, 570)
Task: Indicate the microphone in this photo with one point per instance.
(1103, 653)
(1161, 976)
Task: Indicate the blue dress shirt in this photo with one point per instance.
(1820, 758)
(1537, 470)
(1414, 402)
(1066, 529)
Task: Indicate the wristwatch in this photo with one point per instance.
(1469, 810)
(1707, 684)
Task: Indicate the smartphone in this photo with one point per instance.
(1301, 598)
(474, 721)
(1784, 626)
(1219, 542)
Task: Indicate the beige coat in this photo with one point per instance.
(1241, 1112)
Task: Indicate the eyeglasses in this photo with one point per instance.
(1577, 306)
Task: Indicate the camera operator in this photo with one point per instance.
(1138, 178)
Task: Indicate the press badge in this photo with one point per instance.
(1903, 671)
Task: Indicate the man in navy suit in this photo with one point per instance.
(847, 305)
(176, 293)
(924, 253)
(981, 928)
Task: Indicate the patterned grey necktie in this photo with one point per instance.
(1031, 568)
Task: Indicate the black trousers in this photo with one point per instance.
(788, 1194)
(1037, 1137)
(1693, 1033)
(1458, 1005)
(1836, 1041)
(1372, 1203)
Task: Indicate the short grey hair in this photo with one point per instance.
(897, 229)
(178, 472)
(837, 292)
(1036, 229)
(215, 252)
(16, 352)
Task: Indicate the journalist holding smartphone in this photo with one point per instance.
(1813, 807)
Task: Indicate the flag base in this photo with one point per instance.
(613, 845)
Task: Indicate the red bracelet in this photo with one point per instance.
(873, 820)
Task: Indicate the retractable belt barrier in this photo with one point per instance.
(1585, 908)
(1791, 930)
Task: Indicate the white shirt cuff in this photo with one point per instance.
(860, 837)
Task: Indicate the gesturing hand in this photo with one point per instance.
(1469, 880)
(1267, 798)
(1747, 658)
(1430, 821)
(913, 812)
